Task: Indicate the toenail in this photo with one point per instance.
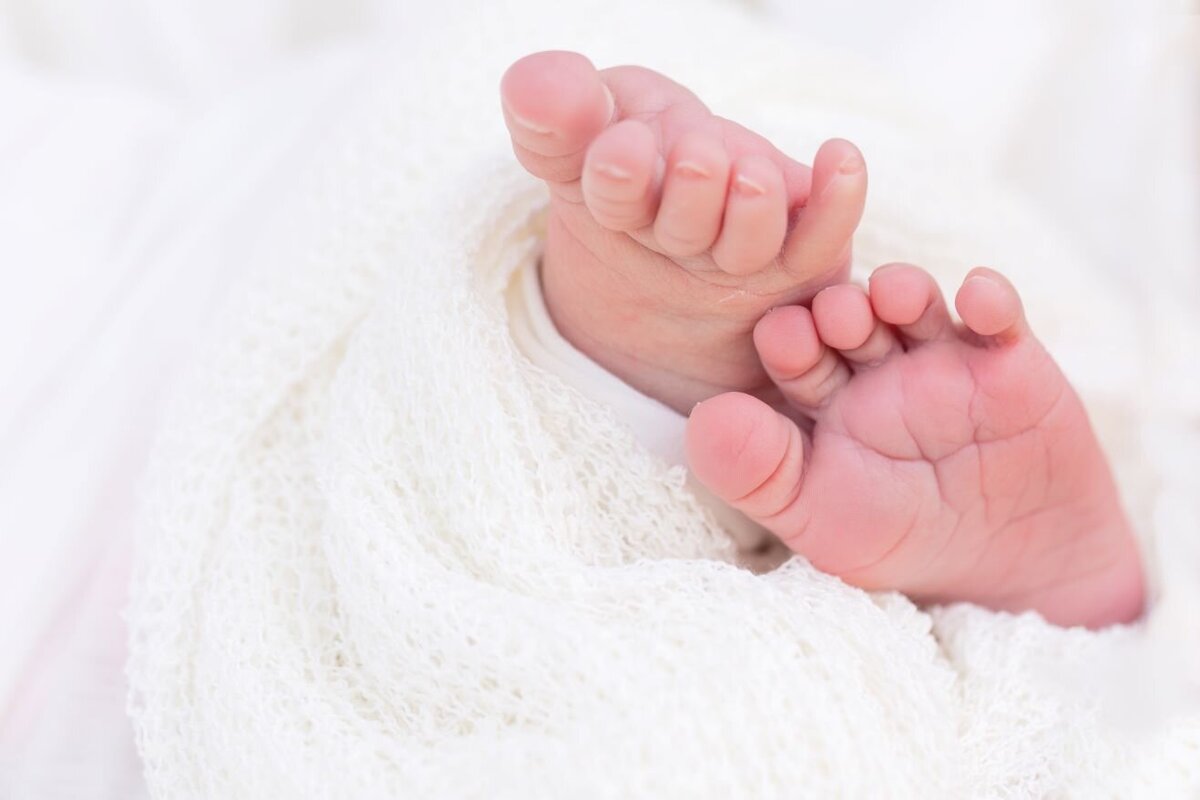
(982, 278)
(994, 287)
(612, 172)
(748, 187)
(690, 169)
(852, 165)
(612, 104)
(529, 126)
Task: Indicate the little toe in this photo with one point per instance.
(807, 372)
(693, 196)
(755, 221)
(909, 298)
(820, 241)
(846, 322)
(554, 105)
(619, 177)
(990, 307)
(748, 455)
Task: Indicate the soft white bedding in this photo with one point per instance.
(142, 142)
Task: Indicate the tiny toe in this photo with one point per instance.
(619, 176)
(747, 454)
(554, 105)
(755, 221)
(908, 298)
(989, 306)
(846, 322)
(693, 196)
(819, 244)
(807, 372)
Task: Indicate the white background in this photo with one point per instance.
(1088, 107)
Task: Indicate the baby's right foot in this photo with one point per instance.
(672, 230)
(948, 462)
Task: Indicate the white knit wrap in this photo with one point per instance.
(384, 556)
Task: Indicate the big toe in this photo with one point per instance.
(554, 105)
(748, 455)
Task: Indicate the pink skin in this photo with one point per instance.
(951, 462)
(672, 230)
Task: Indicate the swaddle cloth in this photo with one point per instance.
(384, 555)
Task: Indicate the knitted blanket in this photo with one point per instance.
(385, 556)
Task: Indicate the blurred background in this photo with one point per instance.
(1089, 108)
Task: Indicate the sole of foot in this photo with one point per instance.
(950, 461)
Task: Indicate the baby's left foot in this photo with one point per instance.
(948, 462)
(670, 229)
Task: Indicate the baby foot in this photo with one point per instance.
(672, 230)
(948, 462)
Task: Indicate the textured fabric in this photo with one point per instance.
(385, 555)
(656, 427)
